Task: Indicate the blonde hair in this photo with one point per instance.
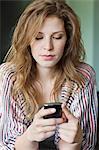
(20, 53)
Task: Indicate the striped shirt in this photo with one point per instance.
(82, 102)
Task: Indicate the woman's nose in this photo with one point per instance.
(48, 44)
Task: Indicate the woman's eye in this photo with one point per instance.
(57, 38)
(39, 38)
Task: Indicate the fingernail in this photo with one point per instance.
(63, 105)
(53, 109)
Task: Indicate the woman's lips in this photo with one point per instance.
(48, 57)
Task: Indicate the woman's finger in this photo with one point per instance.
(49, 122)
(67, 138)
(49, 134)
(67, 113)
(70, 126)
(43, 112)
(73, 133)
(46, 129)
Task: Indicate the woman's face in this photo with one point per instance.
(48, 47)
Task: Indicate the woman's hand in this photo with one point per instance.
(69, 131)
(42, 128)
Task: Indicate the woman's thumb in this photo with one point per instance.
(67, 113)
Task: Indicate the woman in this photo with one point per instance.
(46, 64)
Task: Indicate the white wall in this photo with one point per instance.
(88, 11)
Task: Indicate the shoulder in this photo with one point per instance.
(6, 68)
(7, 72)
(87, 72)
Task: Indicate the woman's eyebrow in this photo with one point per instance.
(53, 32)
(59, 32)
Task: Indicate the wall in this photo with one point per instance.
(9, 13)
(96, 40)
(87, 11)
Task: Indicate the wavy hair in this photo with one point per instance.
(20, 53)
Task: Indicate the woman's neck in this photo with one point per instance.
(47, 81)
(45, 75)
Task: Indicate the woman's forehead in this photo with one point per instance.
(53, 24)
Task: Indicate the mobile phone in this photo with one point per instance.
(58, 112)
